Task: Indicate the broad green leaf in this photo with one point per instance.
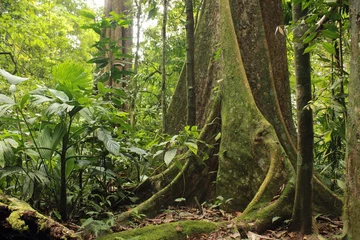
(327, 136)
(274, 219)
(310, 48)
(102, 89)
(329, 47)
(192, 146)
(11, 142)
(336, 83)
(138, 151)
(39, 99)
(341, 184)
(169, 156)
(24, 100)
(69, 167)
(330, 34)
(4, 108)
(57, 136)
(28, 188)
(6, 100)
(58, 109)
(73, 76)
(99, 60)
(44, 142)
(88, 14)
(218, 136)
(310, 37)
(178, 164)
(109, 143)
(41, 177)
(59, 95)
(87, 115)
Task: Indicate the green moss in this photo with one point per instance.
(15, 221)
(170, 231)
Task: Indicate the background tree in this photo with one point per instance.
(352, 197)
(190, 64)
(302, 212)
(163, 66)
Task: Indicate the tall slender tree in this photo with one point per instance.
(163, 66)
(352, 196)
(302, 210)
(134, 82)
(190, 60)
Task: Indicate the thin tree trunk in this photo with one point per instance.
(302, 210)
(163, 67)
(190, 69)
(352, 196)
(136, 66)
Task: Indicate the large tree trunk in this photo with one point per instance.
(352, 197)
(242, 84)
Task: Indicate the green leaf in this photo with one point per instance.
(44, 143)
(310, 48)
(310, 37)
(60, 95)
(337, 83)
(39, 99)
(330, 34)
(329, 47)
(69, 167)
(138, 151)
(57, 136)
(102, 89)
(192, 146)
(88, 14)
(28, 188)
(24, 100)
(169, 156)
(110, 145)
(73, 76)
(274, 219)
(327, 136)
(341, 184)
(218, 136)
(6, 100)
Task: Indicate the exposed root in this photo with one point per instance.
(259, 220)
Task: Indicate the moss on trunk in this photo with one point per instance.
(18, 219)
(257, 155)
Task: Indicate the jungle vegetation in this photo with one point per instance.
(136, 105)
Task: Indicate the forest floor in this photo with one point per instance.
(326, 227)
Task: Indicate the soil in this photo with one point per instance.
(326, 227)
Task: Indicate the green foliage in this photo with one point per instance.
(70, 124)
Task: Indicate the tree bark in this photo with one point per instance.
(190, 64)
(257, 155)
(134, 83)
(19, 221)
(123, 39)
(302, 211)
(352, 196)
(163, 67)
